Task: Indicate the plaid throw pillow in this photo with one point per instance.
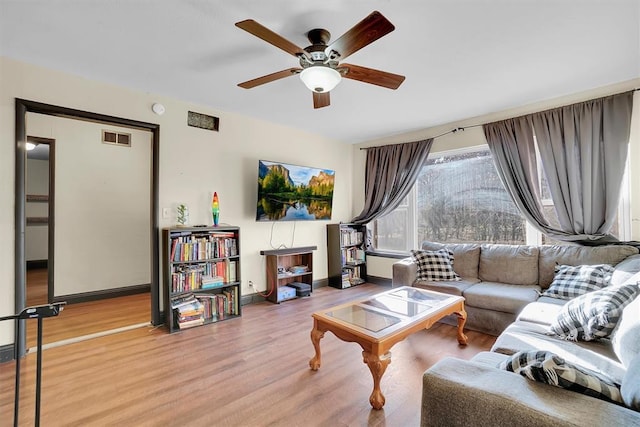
(549, 368)
(594, 315)
(435, 266)
(572, 281)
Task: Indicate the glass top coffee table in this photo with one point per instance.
(382, 320)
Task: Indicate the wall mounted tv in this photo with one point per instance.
(293, 193)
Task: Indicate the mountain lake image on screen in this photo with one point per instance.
(293, 193)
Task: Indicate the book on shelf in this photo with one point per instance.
(198, 247)
(194, 308)
(182, 300)
(346, 279)
(232, 271)
(354, 276)
(202, 275)
(209, 302)
(191, 323)
(353, 255)
(210, 282)
(351, 236)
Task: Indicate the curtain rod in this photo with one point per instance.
(454, 130)
(433, 137)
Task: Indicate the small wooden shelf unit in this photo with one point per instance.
(201, 267)
(279, 263)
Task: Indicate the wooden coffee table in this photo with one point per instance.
(382, 320)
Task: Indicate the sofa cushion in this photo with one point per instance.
(572, 281)
(549, 368)
(594, 355)
(500, 296)
(630, 388)
(550, 255)
(513, 264)
(456, 287)
(626, 337)
(465, 257)
(542, 311)
(489, 358)
(594, 315)
(625, 270)
(434, 265)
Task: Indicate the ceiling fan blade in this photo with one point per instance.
(363, 33)
(260, 31)
(269, 78)
(369, 75)
(321, 99)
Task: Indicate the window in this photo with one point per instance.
(458, 197)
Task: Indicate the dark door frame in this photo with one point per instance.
(22, 108)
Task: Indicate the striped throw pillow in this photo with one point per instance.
(594, 315)
(572, 281)
(549, 368)
(435, 266)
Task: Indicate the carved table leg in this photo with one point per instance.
(316, 336)
(462, 319)
(377, 365)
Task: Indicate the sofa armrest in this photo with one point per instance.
(404, 272)
(461, 393)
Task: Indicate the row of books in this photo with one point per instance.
(188, 311)
(346, 283)
(352, 255)
(199, 247)
(352, 276)
(351, 236)
(203, 276)
(193, 310)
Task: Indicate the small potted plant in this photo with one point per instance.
(183, 215)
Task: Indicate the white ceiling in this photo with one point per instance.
(461, 58)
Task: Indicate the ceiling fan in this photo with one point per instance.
(320, 68)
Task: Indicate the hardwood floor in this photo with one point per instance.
(249, 371)
(86, 318)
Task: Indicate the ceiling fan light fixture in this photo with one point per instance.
(320, 78)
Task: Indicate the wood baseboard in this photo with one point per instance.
(383, 281)
(7, 353)
(37, 264)
(103, 294)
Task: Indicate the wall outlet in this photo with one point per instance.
(250, 284)
(165, 213)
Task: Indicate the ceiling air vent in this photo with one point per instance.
(116, 138)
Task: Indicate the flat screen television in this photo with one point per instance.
(293, 193)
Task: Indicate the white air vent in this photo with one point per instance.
(116, 138)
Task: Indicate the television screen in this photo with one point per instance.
(292, 193)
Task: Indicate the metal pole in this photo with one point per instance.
(16, 402)
(38, 372)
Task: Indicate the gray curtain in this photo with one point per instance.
(583, 150)
(391, 171)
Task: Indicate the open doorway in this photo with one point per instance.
(104, 192)
(24, 107)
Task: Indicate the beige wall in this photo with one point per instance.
(193, 164)
(102, 205)
(473, 136)
(36, 236)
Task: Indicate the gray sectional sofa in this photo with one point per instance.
(498, 281)
(479, 391)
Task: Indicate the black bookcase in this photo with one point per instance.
(347, 264)
(201, 267)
